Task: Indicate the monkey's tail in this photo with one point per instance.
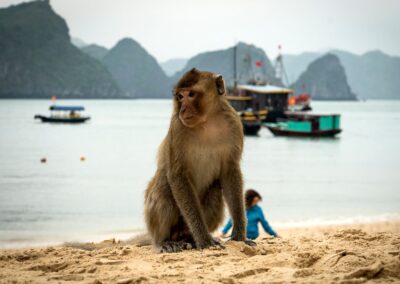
(138, 240)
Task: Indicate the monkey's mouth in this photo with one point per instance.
(187, 117)
(189, 120)
(190, 117)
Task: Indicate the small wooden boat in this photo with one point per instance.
(306, 125)
(64, 114)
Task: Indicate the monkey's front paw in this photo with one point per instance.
(213, 243)
(217, 244)
(250, 242)
(246, 241)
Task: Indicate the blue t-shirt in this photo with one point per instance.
(254, 215)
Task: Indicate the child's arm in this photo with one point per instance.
(227, 227)
(265, 225)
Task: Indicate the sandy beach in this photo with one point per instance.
(331, 254)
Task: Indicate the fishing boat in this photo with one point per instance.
(64, 114)
(306, 125)
(257, 101)
(257, 104)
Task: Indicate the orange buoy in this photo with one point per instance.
(83, 158)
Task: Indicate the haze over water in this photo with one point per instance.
(354, 177)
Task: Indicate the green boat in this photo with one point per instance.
(306, 125)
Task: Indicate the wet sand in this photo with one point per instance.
(333, 254)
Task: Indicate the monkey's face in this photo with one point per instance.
(191, 112)
(197, 95)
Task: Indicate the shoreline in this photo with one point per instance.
(351, 253)
(389, 226)
(302, 227)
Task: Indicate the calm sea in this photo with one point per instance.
(354, 177)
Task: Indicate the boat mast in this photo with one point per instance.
(234, 69)
(280, 70)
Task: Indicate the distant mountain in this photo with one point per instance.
(95, 51)
(297, 64)
(325, 79)
(373, 75)
(174, 65)
(252, 63)
(78, 42)
(37, 59)
(136, 71)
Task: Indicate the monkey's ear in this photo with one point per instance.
(219, 82)
(194, 70)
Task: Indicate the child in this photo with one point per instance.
(254, 215)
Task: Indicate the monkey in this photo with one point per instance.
(198, 167)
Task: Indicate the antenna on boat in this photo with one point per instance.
(280, 70)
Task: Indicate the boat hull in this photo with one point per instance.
(322, 133)
(61, 120)
(274, 116)
(251, 129)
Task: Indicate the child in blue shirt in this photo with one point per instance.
(254, 215)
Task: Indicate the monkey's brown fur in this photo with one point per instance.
(198, 165)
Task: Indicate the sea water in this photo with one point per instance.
(354, 177)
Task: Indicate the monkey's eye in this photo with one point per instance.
(179, 96)
(191, 94)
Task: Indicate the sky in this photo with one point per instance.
(181, 29)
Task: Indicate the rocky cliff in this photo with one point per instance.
(373, 75)
(325, 79)
(95, 51)
(38, 60)
(136, 72)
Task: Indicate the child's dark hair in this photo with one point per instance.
(249, 197)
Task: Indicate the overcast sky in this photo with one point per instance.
(179, 28)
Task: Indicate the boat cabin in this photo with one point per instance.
(64, 114)
(240, 103)
(272, 98)
(268, 102)
(66, 111)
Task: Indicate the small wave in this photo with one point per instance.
(337, 221)
(24, 239)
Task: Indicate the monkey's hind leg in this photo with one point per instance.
(213, 206)
(174, 246)
(161, 214)
(179, 239)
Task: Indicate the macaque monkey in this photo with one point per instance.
(198, 167)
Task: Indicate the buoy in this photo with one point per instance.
(83, 158)
(43, 160)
